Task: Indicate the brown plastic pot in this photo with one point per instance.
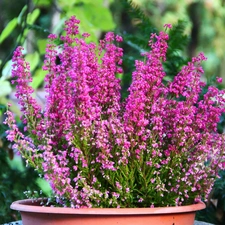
(34, 214)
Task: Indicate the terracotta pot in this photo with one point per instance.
(34, 214)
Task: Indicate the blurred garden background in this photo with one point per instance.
(198, 26)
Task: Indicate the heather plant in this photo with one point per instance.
(159, 147)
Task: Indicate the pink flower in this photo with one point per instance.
(219, 79)
(168, 26)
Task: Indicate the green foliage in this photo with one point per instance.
(204, 25)
(21, 22)
(136, 31)
(42, 3)
(136, 42)
(141, 27)
(22, 14)
(8, 29)
(38, 78)
(215, 210)
(175, 54)
(94, 16)
(13, 181)
(5, 88)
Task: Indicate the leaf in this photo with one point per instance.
(85, 25)
(8, 29)
(93, 17)
(68, 4)
(58, 28)
(20, 17)
(38, 78)
(2, 108)
(44, 3)
(16, 163)
(99, 16)
(5, 88)
(41, 43)
(31, 17)
(33, 59)
(44, 186)
(6, 72)
(97, 2)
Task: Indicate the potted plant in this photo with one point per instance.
(157, 150)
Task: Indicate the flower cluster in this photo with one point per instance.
(160, 147)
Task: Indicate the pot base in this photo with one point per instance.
(32, 214)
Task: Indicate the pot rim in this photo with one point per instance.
(26, 206)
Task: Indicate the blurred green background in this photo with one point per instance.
(199, 26)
